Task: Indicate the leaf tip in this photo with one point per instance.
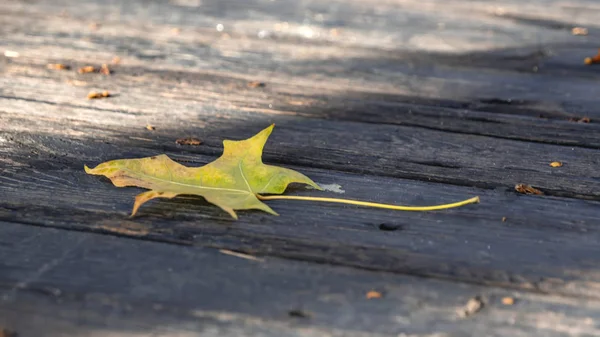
(134, 210)
(87, 169)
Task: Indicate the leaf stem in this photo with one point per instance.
(473, 200)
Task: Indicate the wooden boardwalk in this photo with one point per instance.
(412, 102)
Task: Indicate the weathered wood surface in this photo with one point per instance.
(411, 102)
(167, 290)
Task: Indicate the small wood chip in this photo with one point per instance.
(95, 95)
(150, 127)
(95, 26)
(593, 60)
(473, 306)
(86, 69)
(240, 255)
(584, 120)
(373, 294)
(58, 66)
(105, 70)
(126, 228)
(176, 31)
(189, 141)
(503, 219)
(580, 120)
(116, 60)
(556, 164)
(508, 300)
(579, 31)
(527, 189)
(256, 84)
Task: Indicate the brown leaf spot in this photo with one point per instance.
(373, 294)
(508, 300)
(527, 189)
(153, 157)
(95, 95)
(86, 69)
(256, 84)
(189, 141)
(556, 164)
(150, 127)
(57, 66)
(473, 306)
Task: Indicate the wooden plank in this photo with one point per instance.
(55, 283)
(509, 118)
(547, 244)
(487, 68)
(396, 151)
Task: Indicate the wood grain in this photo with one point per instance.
(408, 102)
(58, 283)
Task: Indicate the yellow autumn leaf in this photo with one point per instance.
(231, 182)
(235, 181)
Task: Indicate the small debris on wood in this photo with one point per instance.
(95, 26)
(57, 66)
(593, 60)
(141, 138)
(508, 300)
(579, 31)
(527, 189)
(188, 141)
(298, 313)
(105, 70)
(256, 84)
(176, 31)
(126, 228)
(116, 60)
(373, 294)
(585, 120)
(503, 219)
(95, 95)
(240, 255)
(86, 69)
(556, 164)
(150, 127)
(389, 227)
(473, 306)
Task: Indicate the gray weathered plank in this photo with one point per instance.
(391, 150)
(57, 283)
